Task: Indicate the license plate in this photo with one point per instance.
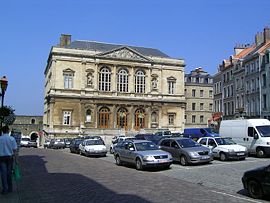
(204, 157)
(162, 161)
(240, 154)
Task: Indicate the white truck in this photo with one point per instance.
(251, 133)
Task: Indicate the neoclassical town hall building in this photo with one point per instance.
(92, 86)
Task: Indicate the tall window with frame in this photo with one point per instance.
(66, 117)
(122, 118)
(68, 79)
(139, 119)
(171, 85)
(122, 81)
(171, 118)
(140, 82)
(103, 118)
(105, 79)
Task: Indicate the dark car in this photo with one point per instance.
(257, 182)
(186, 151)
(74, 145)
(150, 137)
(67, 142)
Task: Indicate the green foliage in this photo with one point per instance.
(7, 115)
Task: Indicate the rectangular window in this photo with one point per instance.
(264, 101)
(201, 93)
(171, 119)
(171, 86)
(201, 80)
(193, 93)
(193, 106)
(201, 119)
(193, 119)
(67, 118)
(210, 93)
(264, 80)
(201, 106)
(68, 80)
(210, 107)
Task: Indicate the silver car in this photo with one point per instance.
(142, 154)
(186, 150)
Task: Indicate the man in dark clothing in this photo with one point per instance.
(8, 148)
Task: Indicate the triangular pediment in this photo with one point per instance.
(124, 53)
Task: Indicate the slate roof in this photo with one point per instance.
(105, 47)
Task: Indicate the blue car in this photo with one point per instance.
(196, 133)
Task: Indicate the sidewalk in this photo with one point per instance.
(11, 197)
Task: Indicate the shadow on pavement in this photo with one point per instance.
(245, 193)
(37, 185)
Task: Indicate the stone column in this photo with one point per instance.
(95, 112)
(131, 79)
(53, 79)
(95, 79)
(148, 117)
(113, 116)
(148, 81)
(131, 117)
(113, 79)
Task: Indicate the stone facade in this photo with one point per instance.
(199, 97)
(245, 80)
(93, 87)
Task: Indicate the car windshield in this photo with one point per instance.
(145, 146)
(59, 140)
(186, 143)
(225, 141)
(94, 142)
(25, 139)
(264, 130)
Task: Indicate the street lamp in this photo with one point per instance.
(4, 84)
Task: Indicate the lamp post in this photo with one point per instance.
(4, 84)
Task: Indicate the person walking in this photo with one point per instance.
(8, 148)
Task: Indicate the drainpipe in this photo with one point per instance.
(260, 85)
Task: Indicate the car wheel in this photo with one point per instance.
(260, 153)
(111, 151)
(183, 160)
(139, 164)
(118, 161)
(223, 156)
(255, 189)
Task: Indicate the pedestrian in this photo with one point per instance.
(8, 148)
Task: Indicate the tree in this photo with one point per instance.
(7, 115)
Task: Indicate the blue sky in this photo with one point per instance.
(203, 32)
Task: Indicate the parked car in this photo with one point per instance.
(93, 137)
(57, 144)
(196, 133)
(251, 133)
(24, 141)
(46, 143)
(163, 133)
(141, 153)
(224, 148)
(67, 142)
(257, 182)
(150, 137)
(93, 147)
(74, 145)
(186, 150)
(119, 139)
(32, 143)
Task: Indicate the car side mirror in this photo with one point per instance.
(256, 136)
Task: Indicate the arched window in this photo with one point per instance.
(140, 82)
(139, 119)
(88, 116)
(122, 81)
(122, 118)
(105, 79)
(33, 121)
(103, 118)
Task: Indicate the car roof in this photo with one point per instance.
(138, 141)
(176, 138)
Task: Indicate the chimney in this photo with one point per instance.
(65, 40)
(266, 34)
(238, 48)
(259, 38)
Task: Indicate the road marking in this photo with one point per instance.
(237, 197)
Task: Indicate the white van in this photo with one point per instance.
(251, 133)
